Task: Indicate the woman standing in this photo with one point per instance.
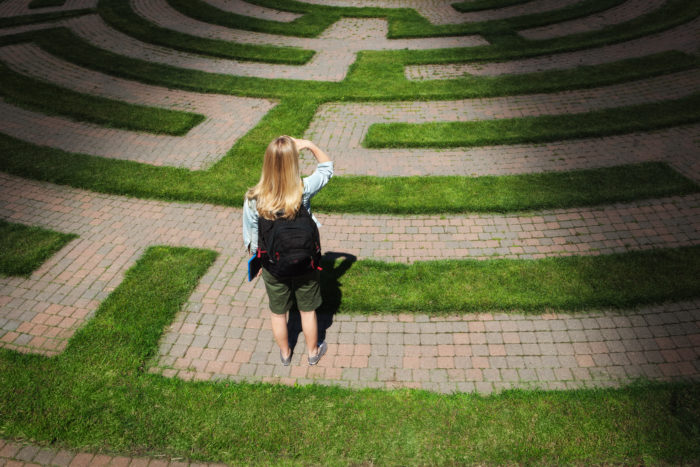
(282, 194)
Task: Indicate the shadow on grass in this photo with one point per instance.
(332, 295)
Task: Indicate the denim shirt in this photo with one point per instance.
(312, 185)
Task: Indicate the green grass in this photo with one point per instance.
(478, 5)
(120, 16)
(392, 195)
(508, 193)
(23, 249)
(565, 283)
(506, 45)
(374, 76)
(226, 181)
(46, 3)
(538, 129)
(402, 22)
(51, 99)
(97, 396)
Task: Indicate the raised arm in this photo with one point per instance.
(318, 153)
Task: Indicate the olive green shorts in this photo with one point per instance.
(282, 293)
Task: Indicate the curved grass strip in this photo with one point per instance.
(479, 5)
(374, 76)
(42, 17)
(120, 16)
(97, 395)
(389, 79)
(51, 99)
(395, 195)
(401, 28)
(509, 46)
(506, 193)
(540, 129)
(46, 3)
(315, 20)
(227, 180)
(23, 248)
(566, 283)
(403, 22)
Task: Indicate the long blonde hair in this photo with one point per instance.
(280, 187)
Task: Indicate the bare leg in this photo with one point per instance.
(279, 330)
(310, 328)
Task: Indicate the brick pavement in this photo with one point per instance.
(442, 12)
(335, 48)
(345, 35)
(342, 127)
(223, 331)
(26, 454)
(627, 11)
(677, 146)
(228, 117)
(326, 65)
(244, 8)
(683, 38)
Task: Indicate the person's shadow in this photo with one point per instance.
(331, 293)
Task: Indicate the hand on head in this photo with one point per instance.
(302, 143)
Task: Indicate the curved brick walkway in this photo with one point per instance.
(629, 10)
(442, 12)
(683, 38)
(677, 146)
(342, 127)
(223, 331)
(326, 65)
(228, 117)
(24, 454)
(241, 7)
(347, 34)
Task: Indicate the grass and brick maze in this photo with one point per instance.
(511, 239)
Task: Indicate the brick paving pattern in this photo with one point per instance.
(442, 12)
(348, 34)
(228, 117)
(328, 64)
(226, 316)
(223, 330)
(677, 146)
(629, 10)
(241, 7)
(342, 127)
(24, 454)
(683, 38)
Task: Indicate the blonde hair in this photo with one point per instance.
(280, 187)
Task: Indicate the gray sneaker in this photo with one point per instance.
(286, 361)
(322, 347)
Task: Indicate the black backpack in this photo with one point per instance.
(289, 247)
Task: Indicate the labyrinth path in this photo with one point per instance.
(223, 330)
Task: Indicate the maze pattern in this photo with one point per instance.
(683, 38)
(441, 11)
(223, 330)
